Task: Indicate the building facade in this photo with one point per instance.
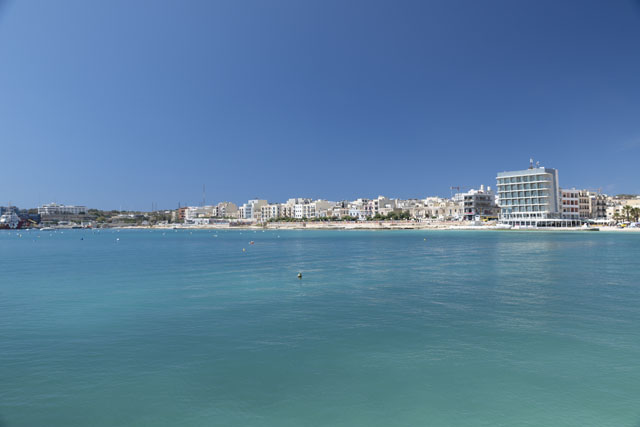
(570, 200)
(584, 204)
(227, 210)
(252, 209)
(56, 209)
(480, 205)
(598, 208)
(531, 198)
(271, 211)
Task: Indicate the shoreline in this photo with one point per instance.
(371, 226)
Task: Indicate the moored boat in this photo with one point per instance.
(11, 221)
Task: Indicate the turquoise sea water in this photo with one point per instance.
(182, 328)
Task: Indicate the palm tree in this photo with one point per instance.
(627, 212)
(635, 213)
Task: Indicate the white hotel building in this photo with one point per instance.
(56, 209)
(532, 198)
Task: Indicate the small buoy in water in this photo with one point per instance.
(117, 239)
(299, 275)
(82, 238)
(244, 250)
(425, 239)
(251, 242)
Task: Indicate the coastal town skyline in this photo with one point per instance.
(314, 101)
(530, 198)
(204, 197)
(362, 213)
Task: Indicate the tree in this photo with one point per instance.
(627, 212)
(635, 214)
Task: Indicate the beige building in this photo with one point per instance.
(227, 210)
(382, 205)
(584, 204)
(615, 208)
(439, 208)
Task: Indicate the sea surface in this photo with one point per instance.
(385, 328)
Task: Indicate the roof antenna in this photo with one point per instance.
(531, 163)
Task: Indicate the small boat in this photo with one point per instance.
(503, 226)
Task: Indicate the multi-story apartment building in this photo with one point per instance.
(584, 204)
(570, 202)
(381, 205)
(531, 197)
(322, 207)
(339, 209)
(480, 204)
(311, 209)
(598, 208)
(182, 213)
(441, 209)
(227, 210)
(198, 212)
(304, 210)
(270, 211)
(359, 208)
(338, 212)
(286, 210)
(616, 207)
(252, 209)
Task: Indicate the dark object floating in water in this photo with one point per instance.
(299, 275)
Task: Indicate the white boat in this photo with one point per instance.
(503, 226)
(10, 220)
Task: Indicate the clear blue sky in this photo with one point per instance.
(121, 103)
